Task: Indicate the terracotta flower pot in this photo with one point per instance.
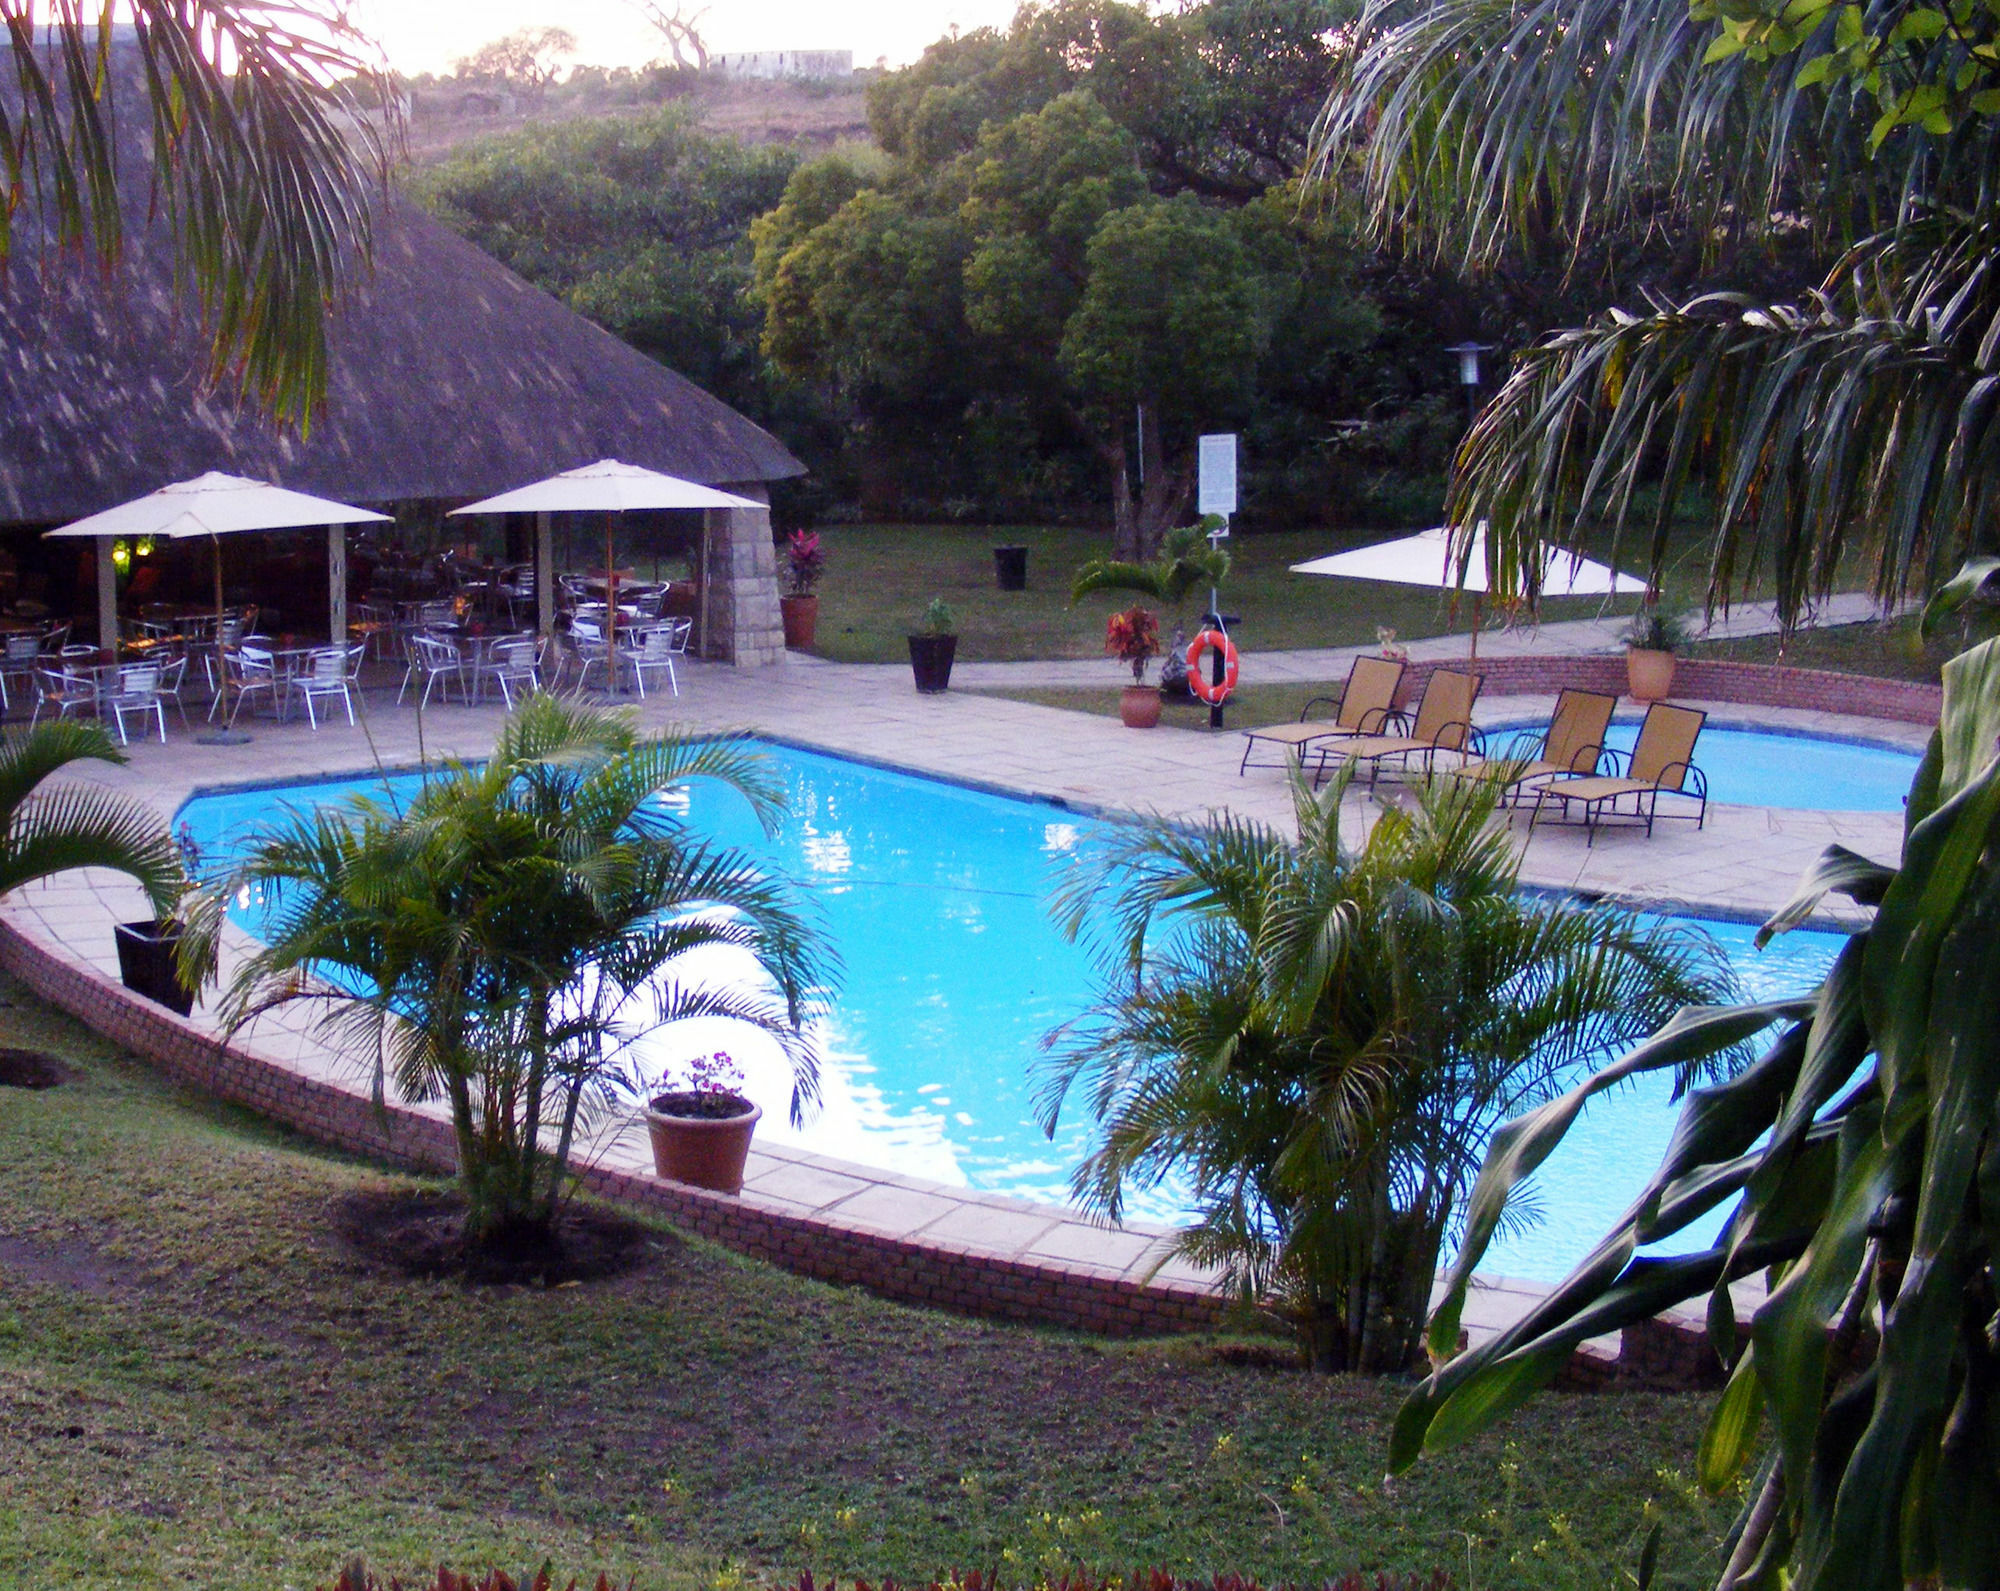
(707, 1151)
(801, 616)
(1139, 707)
(1649, 674)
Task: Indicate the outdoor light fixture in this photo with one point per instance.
(121, 554)
(1468, 374)
(1468, 361)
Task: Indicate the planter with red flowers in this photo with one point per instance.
(1134, 637)
(805, 562)
(701, 1130)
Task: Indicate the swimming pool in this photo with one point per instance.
(937, 898)
(1764, 768)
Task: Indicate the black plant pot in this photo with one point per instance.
(148, 963)
(930, 661)
(1010, 568)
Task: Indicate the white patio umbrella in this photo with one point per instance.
(213, 505)
(610, 488)
(1425, 560)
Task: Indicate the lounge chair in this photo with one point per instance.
(1444, 723)
(1571, 745)
(1366, 705)
(1662, 763)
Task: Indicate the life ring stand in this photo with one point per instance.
(1206, 689)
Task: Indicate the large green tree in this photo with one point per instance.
(263, 160)
(640, 222)
(1092, 140)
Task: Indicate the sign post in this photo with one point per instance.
(1215, 493)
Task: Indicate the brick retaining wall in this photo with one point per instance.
(1698, 679)
(932, 1274)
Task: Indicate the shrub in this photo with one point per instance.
(1138, 1580)
(355, 1577)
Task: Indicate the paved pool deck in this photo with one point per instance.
(1742, 864)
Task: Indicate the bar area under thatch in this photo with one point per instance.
(450, 379)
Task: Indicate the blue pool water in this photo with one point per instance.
(1754, 767)
(936, 896)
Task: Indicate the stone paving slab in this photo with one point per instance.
(1744, 862)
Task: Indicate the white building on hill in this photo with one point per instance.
(785, 63)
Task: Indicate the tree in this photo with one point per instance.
(638, 222)
(1859, 413)
(44, 832)
(262, 163)
(1169, 329)
(681, 28)
(1317, 1040)
(531, 57)
(500, 942)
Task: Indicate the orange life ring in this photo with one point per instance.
(1198, 681)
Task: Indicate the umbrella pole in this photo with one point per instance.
(222, 734)
(221, 664)
(1478, 618)
(610, 610)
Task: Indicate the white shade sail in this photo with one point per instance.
(216, 505)
(607, 487)
(1425, 560)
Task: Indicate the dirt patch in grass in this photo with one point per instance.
(31, 1069)
(68, 1263)
(421, 1232)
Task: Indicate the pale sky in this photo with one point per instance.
(428, 35)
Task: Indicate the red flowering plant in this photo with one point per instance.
(1132, 637)
(805, 562)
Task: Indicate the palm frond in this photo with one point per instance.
(76, 826)
(264, 159)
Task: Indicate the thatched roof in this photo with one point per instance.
(450, 377)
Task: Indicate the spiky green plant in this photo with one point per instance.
(500, 942)
(1316, 1039)
(1188, 562)
(44, 831)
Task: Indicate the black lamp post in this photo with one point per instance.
(1468, 374)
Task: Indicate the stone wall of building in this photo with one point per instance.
(742, 623)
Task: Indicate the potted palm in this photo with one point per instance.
(1134, 637)
(805, 562)
(933, 644)
(1655, 635)
(701, 1130)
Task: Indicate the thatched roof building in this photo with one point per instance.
(450, 378)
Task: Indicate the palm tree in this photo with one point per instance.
(1858, 418)
(263, 160)
(500, 942)
(43, 832)
(1317, 1040)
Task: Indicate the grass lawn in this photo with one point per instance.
(879, 578)
(201, 1385)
